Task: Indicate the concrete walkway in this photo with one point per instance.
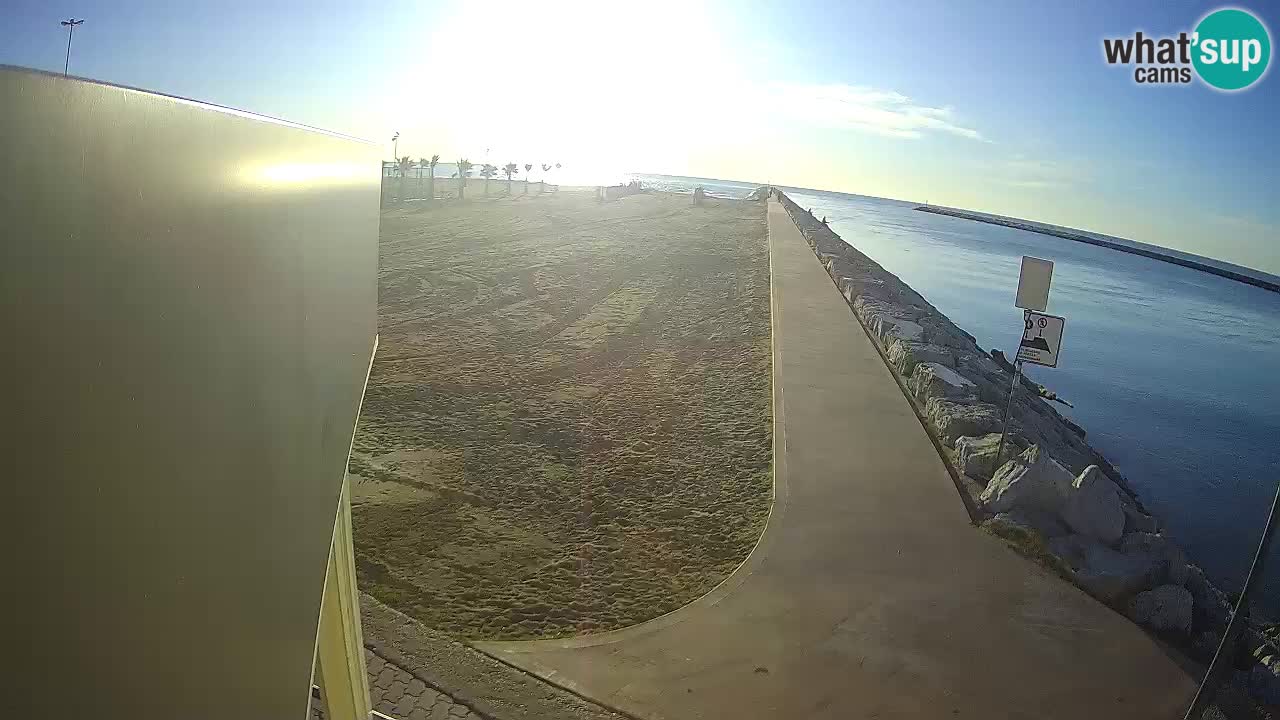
(870, 594)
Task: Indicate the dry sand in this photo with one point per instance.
(568, 425)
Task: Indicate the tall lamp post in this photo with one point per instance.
(70, 24)
(395, 149)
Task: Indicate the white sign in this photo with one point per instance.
(1033, 284)
(1041, 339)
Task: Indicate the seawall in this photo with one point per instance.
(1050, 495)
(1102, 242)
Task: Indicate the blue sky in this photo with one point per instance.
(999, 106)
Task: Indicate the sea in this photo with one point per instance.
(1173, 372)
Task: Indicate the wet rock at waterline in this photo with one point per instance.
(1137, 521)
(1264, 680)
(1212, 608)
(1167, 607)
(1173, 561)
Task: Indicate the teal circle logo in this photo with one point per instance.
(1232, 49)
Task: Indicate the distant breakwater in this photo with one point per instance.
(1048, 494)
(1101, 242)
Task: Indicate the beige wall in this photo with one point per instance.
(186, 345)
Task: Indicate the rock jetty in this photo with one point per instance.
(1243, 275)
(1050, 494)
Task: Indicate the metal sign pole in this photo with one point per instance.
(1008, 408)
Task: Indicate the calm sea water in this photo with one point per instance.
(1174, 373)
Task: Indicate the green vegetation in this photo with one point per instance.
(464, 169)
(1029, 544)
(510, 169)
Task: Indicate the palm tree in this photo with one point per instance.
(487, 171)
(510, 169)
(542, 184)
(527, 168)
(431, 177)
(404, 164)
(422, 163)
(464, 168)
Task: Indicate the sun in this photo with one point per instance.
(595, 85)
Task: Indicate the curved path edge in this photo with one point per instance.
(739, 575)
(869, 594)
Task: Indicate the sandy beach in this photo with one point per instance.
(568, 424)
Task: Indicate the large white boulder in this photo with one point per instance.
(889, 328)
(956, 418)
(1167, 607)
(941, 331)
(905, 355)
(931, 380)
(1033, 480)
(1093, 507)
(1104, 573)
(875, 311)
(976, 456)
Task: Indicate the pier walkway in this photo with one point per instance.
(870, 595)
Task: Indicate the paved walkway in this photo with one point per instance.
(397, 693)
(870, 594)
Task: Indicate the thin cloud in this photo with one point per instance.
(882, 112)
(1038, 173)
(1244, 222)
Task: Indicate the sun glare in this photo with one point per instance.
(599, 86)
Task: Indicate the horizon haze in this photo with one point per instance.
(1005, 108)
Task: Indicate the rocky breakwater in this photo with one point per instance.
(1050, 494)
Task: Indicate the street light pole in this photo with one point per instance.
(70, 24)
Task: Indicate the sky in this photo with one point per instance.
(993, 105)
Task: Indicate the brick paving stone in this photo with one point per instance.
(397, 693)
(396, 690)
(431, 697)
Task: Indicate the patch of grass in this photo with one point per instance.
(1029, 544)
